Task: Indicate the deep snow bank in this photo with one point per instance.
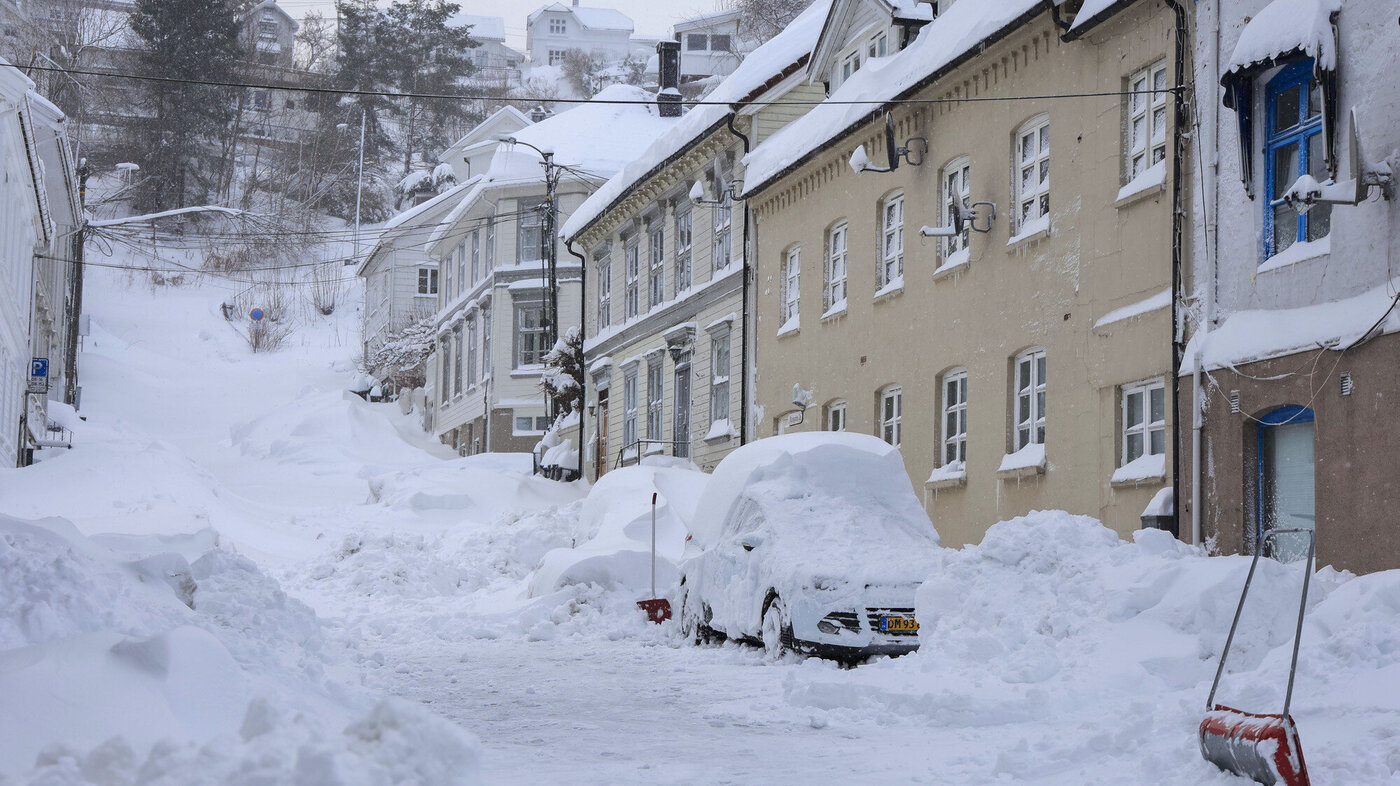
(117, 669)
(1053, 623)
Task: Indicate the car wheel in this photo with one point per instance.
(776, 631)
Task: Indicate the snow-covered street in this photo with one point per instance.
(1062, 654)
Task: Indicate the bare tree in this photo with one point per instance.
(315, 44)
(760, 20)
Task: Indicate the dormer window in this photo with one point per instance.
(849, 65)
(558, 26)
(878, 46)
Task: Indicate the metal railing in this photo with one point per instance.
(633, 453)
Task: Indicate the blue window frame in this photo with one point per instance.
(1293, 143)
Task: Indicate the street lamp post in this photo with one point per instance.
(551, 217)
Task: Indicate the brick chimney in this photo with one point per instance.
(668, 97)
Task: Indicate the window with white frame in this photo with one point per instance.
(530, 243)
(461, 267)
(835, 295)
(451, 262)
(427, 281)
(457, 359)
(527, 424)
(955, 416)
(556, 57)
(719, 375)
(1032, 183)
(605, 289)
(792, 284)
(891, 241)
(878, 45)
(445, 378)
(836, 416)
(654, 382)
(558, 26)
(530, 334)
(490, 243)
(957, 195)
(1030, 398)
(683, 239)
(723, 215)
(696, 42)
(486, 328)
(632, 277)
(850, 64)
(656, 258)
(721, 42)
(629, 407)
(892, 414)
(1144, 420)
(473, 363)
(476, 256)
(1146, 141)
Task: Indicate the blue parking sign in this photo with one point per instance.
(39, 367)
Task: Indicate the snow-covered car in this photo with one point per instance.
(813, 542)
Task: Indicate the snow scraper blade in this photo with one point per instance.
(1263, 748)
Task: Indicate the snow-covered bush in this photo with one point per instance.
(563, 372)
(400, 359)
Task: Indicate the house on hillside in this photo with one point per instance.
(1292, 362)
(666, 248)
(471, 155)
(401, 280)
(492, 249)
(710, 44)
(39, 281)
(552, 30)
(497, 65)
(1011, 335)
(268, 33)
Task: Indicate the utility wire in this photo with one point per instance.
(619, 101)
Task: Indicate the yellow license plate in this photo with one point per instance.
(898, 625)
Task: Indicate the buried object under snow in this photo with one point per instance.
(1262, 747)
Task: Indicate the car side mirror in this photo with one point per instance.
(751, 542)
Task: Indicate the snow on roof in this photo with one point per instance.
(703, 20)
(595, 137)
(1247, 336)
(437, 201)
(485, 28)
(753, 72)
(956, 32)
(592, 18)
(1090, 10)
(1285, 26)
(914, 10)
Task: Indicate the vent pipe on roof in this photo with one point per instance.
(668, 97)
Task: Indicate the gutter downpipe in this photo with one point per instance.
(1210, 209)
(1181, 109)
(744, 307)
(583, 367)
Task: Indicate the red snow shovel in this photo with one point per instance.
(1263, 748)
(658, 609)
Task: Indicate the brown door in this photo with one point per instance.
(600, 458)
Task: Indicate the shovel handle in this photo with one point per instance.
(1302, 606)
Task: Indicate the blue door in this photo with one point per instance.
(1286, 481)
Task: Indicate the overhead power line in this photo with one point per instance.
(617, 101)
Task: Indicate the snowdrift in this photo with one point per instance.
(1053, 624)
(118, 666)
(614, 531)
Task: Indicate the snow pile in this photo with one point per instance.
(1090, 658)
(614, 531)
(116, 670)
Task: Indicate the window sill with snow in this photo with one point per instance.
(1031, 232)
(890, 290)
(1025, 463)
(949, 476)
(1149, 469)
(956, 262)
(1149, 183)
(720, 431)
(838, 309)
(790, 328)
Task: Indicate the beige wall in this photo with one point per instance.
(1047, 291)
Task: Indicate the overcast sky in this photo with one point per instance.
(652, 17)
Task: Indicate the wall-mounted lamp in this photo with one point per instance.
(912, 152)
(966, 217)
(1307, 192)
(730, 193)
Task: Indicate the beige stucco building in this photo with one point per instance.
(1025, 363)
